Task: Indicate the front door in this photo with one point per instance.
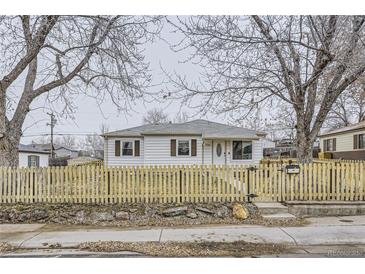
(219, 152)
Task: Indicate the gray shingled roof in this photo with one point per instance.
(204, 128)
(357, 126)
(31, 148)
(47, 147)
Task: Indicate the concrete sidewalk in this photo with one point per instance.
(320, 231)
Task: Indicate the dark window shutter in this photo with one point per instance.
(355, 141)
(334, 144)
(324, 145)
(37, 161)
(117, 148)
(29, 159)
(173, 147)
(193, 147)
(136, 148)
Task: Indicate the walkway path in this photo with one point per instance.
(320, 231)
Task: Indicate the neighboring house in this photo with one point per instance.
(30, 156)
(286, 148)
(267, 143)
(194, 142)
(346, 143)
(59, 151)
(282, 148)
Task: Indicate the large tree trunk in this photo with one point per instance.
(305, 139)
(304, 149)
(9, 155)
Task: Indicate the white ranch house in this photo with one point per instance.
(194, 142)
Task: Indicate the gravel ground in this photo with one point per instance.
(179, 249)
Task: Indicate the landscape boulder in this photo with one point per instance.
(192, 215)
(204, 210)
(80, 216)
(240, 212)
(39, 214)
(102, 216)
(122, 215)
(175, 211)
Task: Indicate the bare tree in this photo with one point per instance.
(181, 117)
(349, 107)
(304, 61)
(60, 56)
(95, 143)
(67, 141)
(155, 116)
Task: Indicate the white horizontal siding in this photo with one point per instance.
(111, 160)
(157, 151)
(23, 159)
(208, 146)
(344, 141)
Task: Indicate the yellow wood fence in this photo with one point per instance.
(341, 181)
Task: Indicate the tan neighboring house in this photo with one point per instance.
(345, 143)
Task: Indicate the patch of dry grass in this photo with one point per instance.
(6, 247)
(180, 249)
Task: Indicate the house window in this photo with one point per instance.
(242, 150)
(127, 148)
(183, 148)
(329, 145)
(33, 161)
(359, 141)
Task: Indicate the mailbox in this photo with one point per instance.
(292, 169)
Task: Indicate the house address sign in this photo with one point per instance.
(292, 169)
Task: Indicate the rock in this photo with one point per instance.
(23, 217)
(39, 214)
(4, 216)
(102, 216)
(223, 212)
(133, 210)
(192, 215)
(80, 216)
(175, 211)
(122, 215)
(204, 210)
(240, 212)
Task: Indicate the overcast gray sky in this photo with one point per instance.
(89, 116)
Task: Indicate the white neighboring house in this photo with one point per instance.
(30, 156)
(194, 142)
(59, 151)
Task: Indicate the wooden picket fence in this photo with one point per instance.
(341, 181)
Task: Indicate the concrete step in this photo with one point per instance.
(279, 216)
(271, 208)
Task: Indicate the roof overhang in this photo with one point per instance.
(341, 132)
(34, 152)
(171, 134)
(249, 138)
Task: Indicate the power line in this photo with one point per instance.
(60, 134)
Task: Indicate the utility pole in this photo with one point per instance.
(52, 124)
